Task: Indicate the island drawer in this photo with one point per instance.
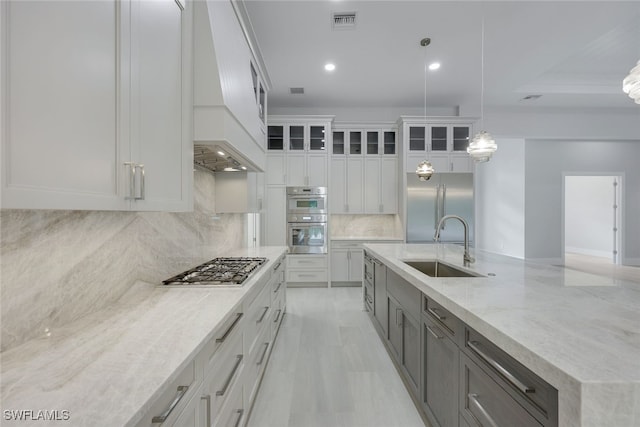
(449, 323)
(231, 327)
(531, 391)
(407, 295)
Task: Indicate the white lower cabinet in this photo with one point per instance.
(347, 262)
(307, 269)
(217, 387)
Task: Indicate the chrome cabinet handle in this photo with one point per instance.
(207, 399)
(435, 314)
(277, 316)
(473, 398)
(277, 266)
(398, 310)
(278, 288)
(230, 377)
(473, 345)
(181, 391)
(240, 412)
(264, 353)
(228, 331)
(438, 337)
(132, 181)
(264, 313)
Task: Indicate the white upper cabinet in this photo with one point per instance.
(298, 150)
(443, 142)
(96, 105)
(229, 91)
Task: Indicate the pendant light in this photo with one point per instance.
(631, 84)
(425, 168)
(482, 146)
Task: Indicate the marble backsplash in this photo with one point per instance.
(365, 226)
(57, 266)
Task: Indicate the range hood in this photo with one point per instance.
(226, 115)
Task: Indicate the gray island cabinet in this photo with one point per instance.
(506, 345)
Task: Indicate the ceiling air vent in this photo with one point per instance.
(343, 20)
(296, 90)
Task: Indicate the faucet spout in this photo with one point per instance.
(466, 258)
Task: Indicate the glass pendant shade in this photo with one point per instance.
(425, 170)
(631, 84)
(482, 147)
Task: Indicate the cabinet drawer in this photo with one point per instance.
(258, 315)
(307, 276)
(166, 409)
(369, 297)
(256, 361)
(449, 323)
(484, 403)
(277, 313)
(222, 377)
(307, 261)
(231, 328)
(539, 397)
(232, 414)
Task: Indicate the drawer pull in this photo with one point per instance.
(399, 323)
(278, 288)
(228, 331)
(474, 345)
(230, 377)
(240, 412)
(277, 316)
(473, 398)
(277, 266)
(264, 313)
(438, 337)
(435, 314)
(181, 391)
(264, 353)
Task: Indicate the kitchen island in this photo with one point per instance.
(578, 332)
(110, 367)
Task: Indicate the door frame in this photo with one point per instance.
(619, 218)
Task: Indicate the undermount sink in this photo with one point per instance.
(439, 269)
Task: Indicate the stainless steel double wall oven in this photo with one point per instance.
(307, 220)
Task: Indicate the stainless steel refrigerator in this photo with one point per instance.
(428, 201)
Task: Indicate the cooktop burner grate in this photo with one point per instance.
(218, 271)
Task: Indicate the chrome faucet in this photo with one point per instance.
(466, 258)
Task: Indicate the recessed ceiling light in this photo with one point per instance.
(434, 66)
(244, 168)
(221, 153)
(329, 67)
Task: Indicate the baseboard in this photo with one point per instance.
(589, 252)
(307, 284)
(551, 261)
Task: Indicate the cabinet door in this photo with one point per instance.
(389, 142)
(338, 142)
(160, 78)
(61, 135)
(411, 349)
(355, 142)
(440, 162)
(461, 135)
(296, 138)
(417, 138)
(339, 265)
(275, 137)
(394, 327)
(355, 185)
(413, 160)
(461, 163)
(318, 138)
(372, 142)
(438, 138)
(441, 367)
(276, 221)
(317, 170)
(372, 185)
(389, 185)
(338, 185)
(356, 265)
(276, 169)
(296, 169)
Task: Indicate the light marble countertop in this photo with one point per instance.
(106, 368)
(579, 332)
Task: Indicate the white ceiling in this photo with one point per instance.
(573, 53)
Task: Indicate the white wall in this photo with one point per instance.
(500, 204)
(545, 163)
(589, 215)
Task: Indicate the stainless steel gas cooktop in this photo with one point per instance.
(219, 271)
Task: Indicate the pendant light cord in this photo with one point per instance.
(425, 83)
(482, 77)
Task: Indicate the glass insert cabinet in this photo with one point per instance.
(358, 142)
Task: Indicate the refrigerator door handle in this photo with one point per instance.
(437, 206)
(444, 202)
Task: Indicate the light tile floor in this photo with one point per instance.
(329, 368)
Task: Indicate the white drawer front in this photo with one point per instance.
(306, 261)
(307, 276)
